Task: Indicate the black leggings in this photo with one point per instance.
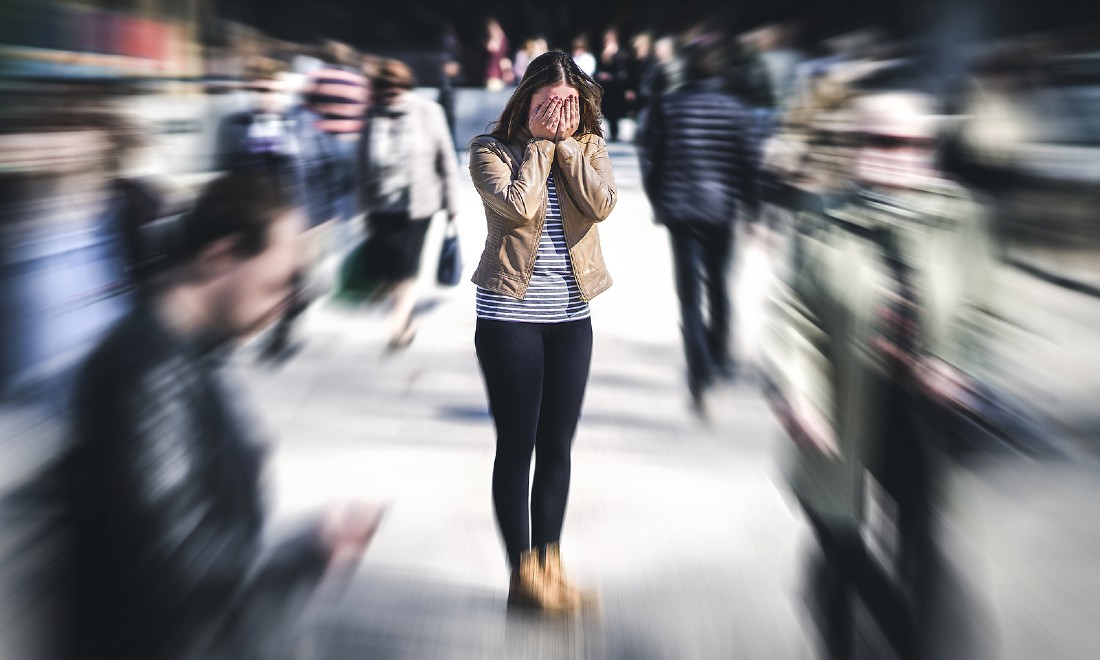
(535, 375)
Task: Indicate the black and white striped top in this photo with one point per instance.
(553, 295)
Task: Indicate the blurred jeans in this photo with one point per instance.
(702, 254)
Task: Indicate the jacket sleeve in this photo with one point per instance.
(517, 198)
(590, 180)
(446, 164)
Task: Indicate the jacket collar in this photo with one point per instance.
(398, 109)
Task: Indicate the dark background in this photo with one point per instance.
(410, 25)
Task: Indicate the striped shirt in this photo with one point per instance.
(340, 97)
(553, 295)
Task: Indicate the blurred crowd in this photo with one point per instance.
(890, 195)
(885, 189)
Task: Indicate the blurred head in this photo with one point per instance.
(238, 247)
(267, 95)
(580, 45)
(643, 43)
(535, 47)
(664, 49)
(898, 141)
(611, 36)
(550, 74)
(391, 81)
(340, 54)
(704, 57)
(266, 92)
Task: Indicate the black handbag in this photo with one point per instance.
(449, 271)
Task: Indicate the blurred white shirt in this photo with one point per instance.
(586, 62)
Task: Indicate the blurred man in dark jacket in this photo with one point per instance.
(163, 479)
(698, 169)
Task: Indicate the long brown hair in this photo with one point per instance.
(551, 68)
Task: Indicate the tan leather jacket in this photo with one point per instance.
(511, 179)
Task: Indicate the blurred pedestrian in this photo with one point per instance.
(450, 74)
(698, 170)
(532, 48)
(639, 62)
(498, 68)
(163, 480)
(613, 74)
(329, 122)
(408, 174)
(74, 251)
(326, 128)
(546, 182)
(584, 59)
(889, 307)
(666, 72)
(262, 139)
(137, 201)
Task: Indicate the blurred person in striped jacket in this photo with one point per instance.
(327, 124)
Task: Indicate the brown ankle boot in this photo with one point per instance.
(529, 587)
(573, 596)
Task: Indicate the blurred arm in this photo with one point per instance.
(446, 164)
(197, 543)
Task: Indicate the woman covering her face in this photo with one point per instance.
(545, 179)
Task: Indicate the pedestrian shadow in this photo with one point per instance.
(427, 305)
(464, 413)
(959, 624)
(624, 420)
